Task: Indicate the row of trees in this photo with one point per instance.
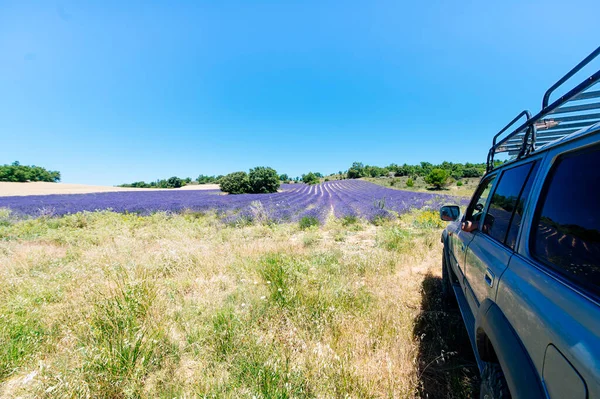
(171, 182)
(265, 179)
(174, 182)
(423, 169)
(204, 179)
(16, 172)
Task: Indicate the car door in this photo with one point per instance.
(461, 239)
(458, 242)
(489, 251)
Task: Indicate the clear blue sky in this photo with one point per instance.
(112, 92)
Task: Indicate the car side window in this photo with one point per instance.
(504, 201)
(477, 205)
(566, 227)
(515, 224)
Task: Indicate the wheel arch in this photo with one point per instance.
(498, 342)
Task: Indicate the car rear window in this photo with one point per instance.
(566, 227)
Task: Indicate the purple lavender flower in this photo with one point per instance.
(294, 201)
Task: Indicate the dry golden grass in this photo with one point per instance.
(111, 305)
(8, 189)
(466, 189)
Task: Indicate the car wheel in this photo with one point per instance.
(493, 383)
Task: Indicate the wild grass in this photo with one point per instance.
(179, 306)
(465, 189)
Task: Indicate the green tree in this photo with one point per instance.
(472, 172)
(263, 180)
(16, 172)
(235, 183)
(437, 178)
(284, 177)
(310, 178)
(458, 171)
(174, 182)
(357, 170)
(426, 168)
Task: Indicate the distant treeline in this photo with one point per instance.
(174, 182)
(455, 170)
(451, 171)
(16, 172)
(171, 182)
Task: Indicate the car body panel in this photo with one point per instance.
(485, 262)
(543, 309)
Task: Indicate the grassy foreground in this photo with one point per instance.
(122, 306)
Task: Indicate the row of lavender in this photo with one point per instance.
(340, 198)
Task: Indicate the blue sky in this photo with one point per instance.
(109, 93)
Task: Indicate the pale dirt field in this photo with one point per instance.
(8, 189)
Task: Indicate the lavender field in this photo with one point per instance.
(294, 201)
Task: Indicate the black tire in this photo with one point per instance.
(493, 383)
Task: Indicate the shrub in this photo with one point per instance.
(310, 178)
(473, 172)
(356, 171)
(459, 183)
(395, 239)
(308, 221)
(428, 219)
(174, 182)
(235, 183)
(437, 178)
(202, 179)
(263, 180)
(410, 183)
(349, 219)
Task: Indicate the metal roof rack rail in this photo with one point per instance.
(545, 127)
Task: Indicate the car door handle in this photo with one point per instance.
(489, 277)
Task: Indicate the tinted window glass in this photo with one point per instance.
(478, 203)
(513, 230)
(504, 201)
(566, 231)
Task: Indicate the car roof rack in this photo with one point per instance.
(555, 120)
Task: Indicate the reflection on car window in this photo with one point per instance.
(566, 232)
(476, 208)
(513, 230)
(504, 201)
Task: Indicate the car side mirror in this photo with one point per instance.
(449, 213)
